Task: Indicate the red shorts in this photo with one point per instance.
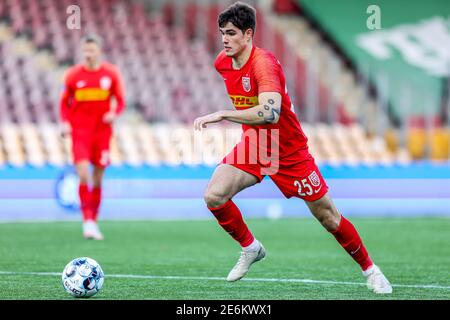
(91, 146)
(300, 178)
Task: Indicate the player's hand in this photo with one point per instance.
(65, 129)
(109, 117)
(201, 122)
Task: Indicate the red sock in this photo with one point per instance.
(230, 219)
(350, 240)
(96, 198)
(85, 195)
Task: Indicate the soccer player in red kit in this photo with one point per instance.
(87, 115)
(255, 83)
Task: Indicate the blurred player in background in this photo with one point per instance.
(87, 115)
(256, 84)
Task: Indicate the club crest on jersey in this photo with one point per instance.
(246, 84)
(105, 83)
(314, 179)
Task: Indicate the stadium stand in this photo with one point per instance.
(411, 96)
(165, 94)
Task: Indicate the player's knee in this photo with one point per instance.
(97, 181)
(83, 174)
(214, 199)
(83, 177)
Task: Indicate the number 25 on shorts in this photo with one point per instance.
(305, 188)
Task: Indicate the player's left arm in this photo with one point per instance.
(117, 91)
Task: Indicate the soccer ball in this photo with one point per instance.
(83, 277)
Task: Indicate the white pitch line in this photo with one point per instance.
(307, 281)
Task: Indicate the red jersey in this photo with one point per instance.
(87, 96)
(263, 73)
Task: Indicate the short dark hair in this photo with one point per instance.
(241, 15)
(92, 38)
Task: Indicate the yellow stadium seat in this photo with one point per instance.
(391, 138)
(440, 142)
(416, 143)
(116, 156)
(2, 155)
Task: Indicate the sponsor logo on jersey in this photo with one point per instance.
(246, 84)
(243, 101)
(314, 179)
(105, 83)
(91, 94)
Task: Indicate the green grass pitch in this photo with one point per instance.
(190, 260)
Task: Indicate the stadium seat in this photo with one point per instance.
(439, 144)
(12, 144)
(170, 80)
(3, 161)
(416, 142)
(116, 156)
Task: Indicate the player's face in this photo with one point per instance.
(91, 53)
(234, 40)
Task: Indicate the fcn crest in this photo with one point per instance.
(105, 83)
(246, 84)
(314, 179)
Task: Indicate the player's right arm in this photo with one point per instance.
(267, 112)
(266, 73)
(64, 105)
